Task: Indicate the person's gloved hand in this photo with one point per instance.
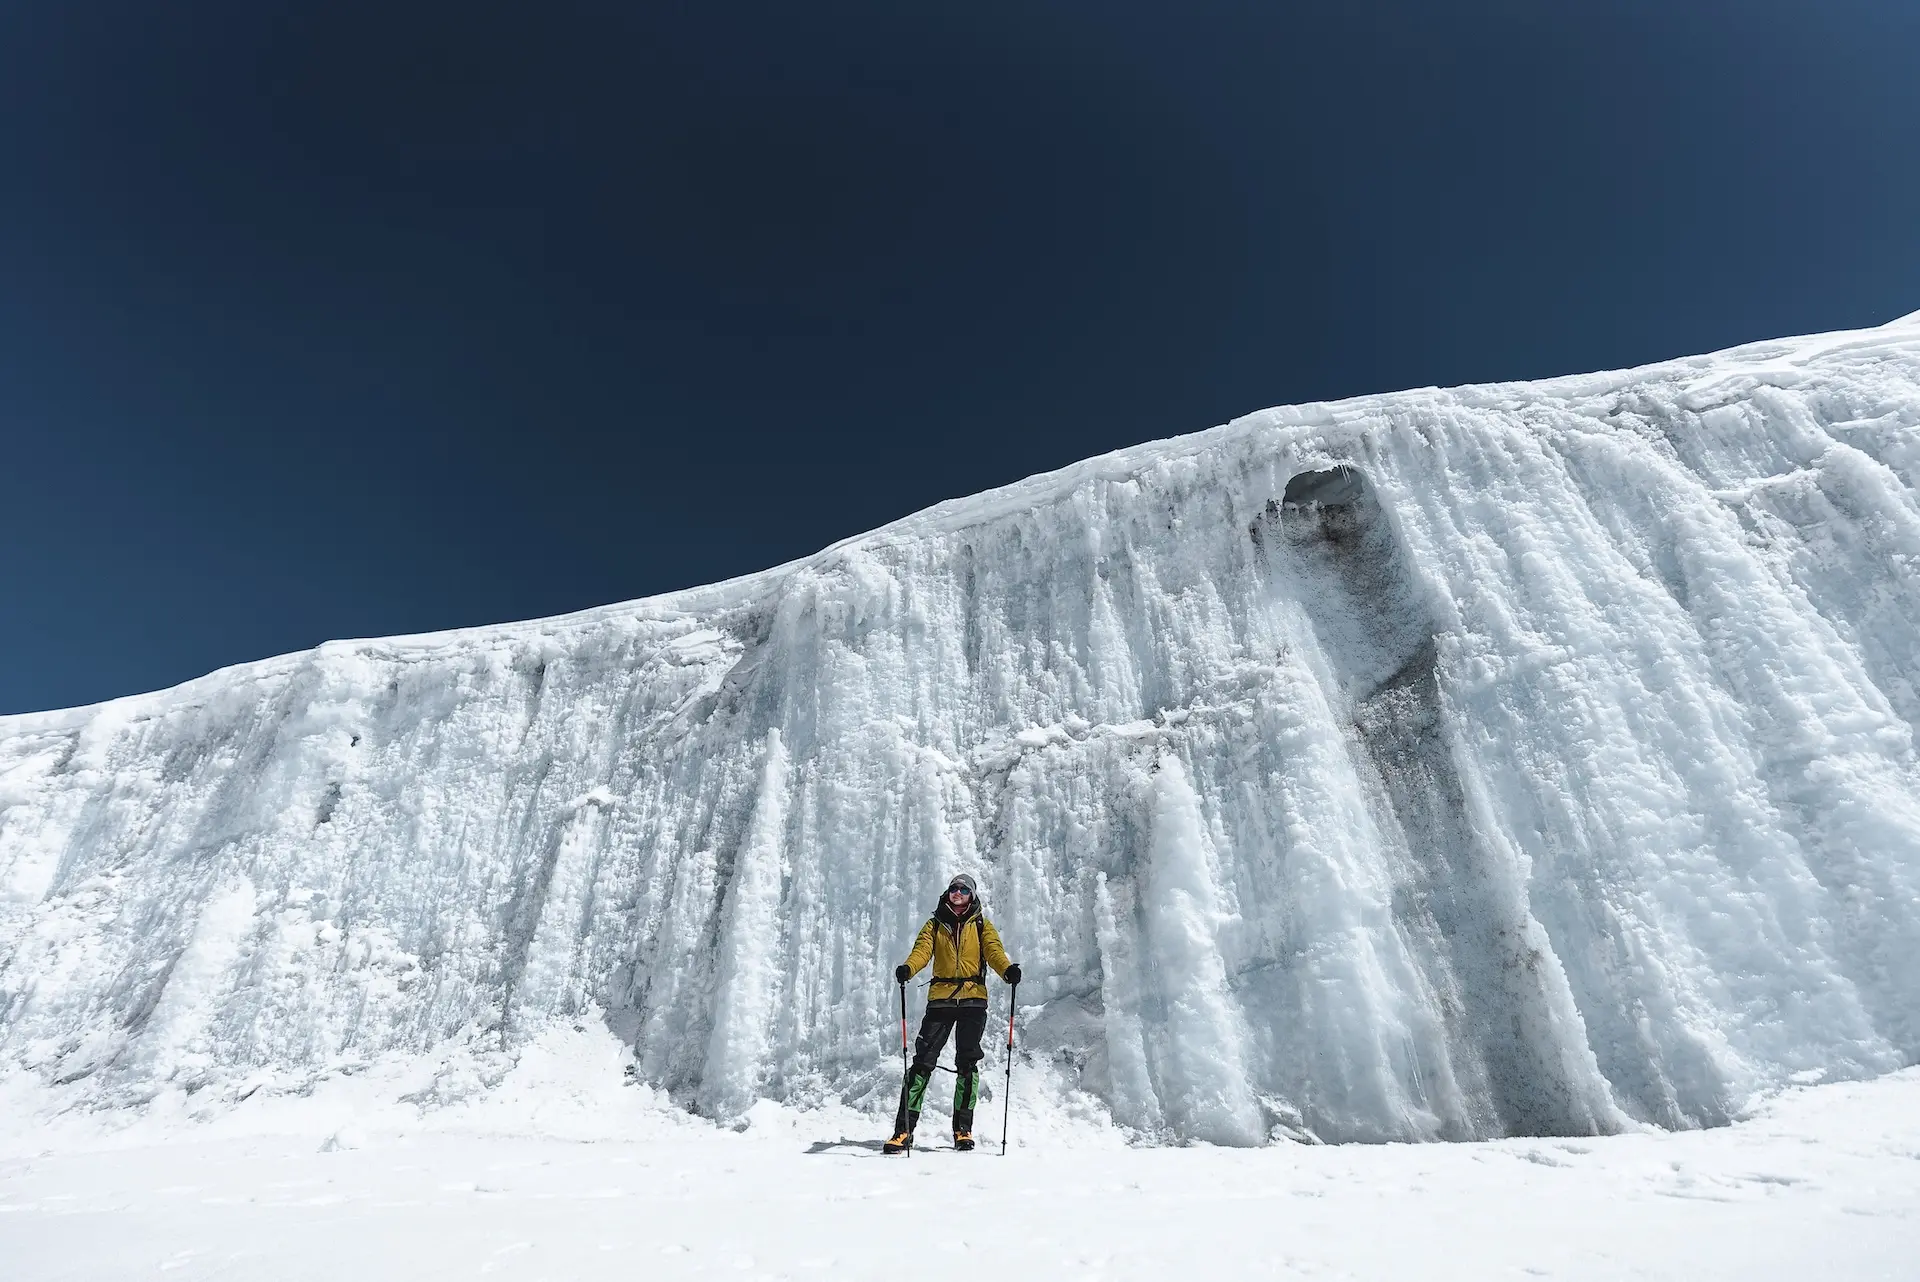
(1013, 972)
(901, 974)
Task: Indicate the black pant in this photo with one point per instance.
(966, 1024)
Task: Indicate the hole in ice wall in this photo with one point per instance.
(1336, 487)
(1353, 581)
(1329, 544)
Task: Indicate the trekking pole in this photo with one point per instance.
(1013, 1005)
(903, 1051)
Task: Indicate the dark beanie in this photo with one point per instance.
(962, 879)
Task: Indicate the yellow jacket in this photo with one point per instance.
(955, 948)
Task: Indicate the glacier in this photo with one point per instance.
(1531, 758)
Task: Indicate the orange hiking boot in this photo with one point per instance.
(899, 1143)
(963, 1143)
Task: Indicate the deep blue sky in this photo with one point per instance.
(344, 319)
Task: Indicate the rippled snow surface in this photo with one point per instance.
(1532, 758)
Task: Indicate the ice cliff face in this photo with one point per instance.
(1524, 758)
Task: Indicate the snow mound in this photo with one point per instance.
(1520, 759)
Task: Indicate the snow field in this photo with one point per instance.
(1822, 1183)
(1532, 759)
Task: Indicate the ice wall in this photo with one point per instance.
(1523, 758)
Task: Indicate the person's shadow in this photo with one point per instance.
(831, 1146)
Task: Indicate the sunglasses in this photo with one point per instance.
(961, 891)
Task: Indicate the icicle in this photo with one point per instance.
(750, 950)
(1204, 1078)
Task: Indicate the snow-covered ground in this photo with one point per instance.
(562, 1174)
(1529, 759)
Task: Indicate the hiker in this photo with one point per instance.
(961, 943)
